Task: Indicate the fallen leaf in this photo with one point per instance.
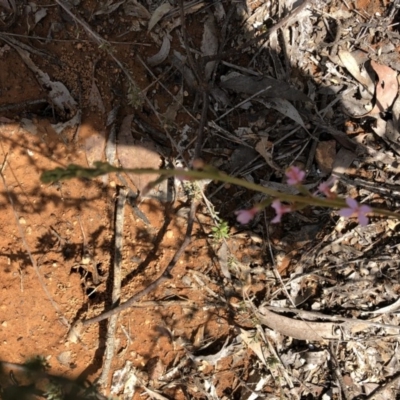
(40, 14)
(162, 54)
(158, 14)
(248, 337)
(352, 65)
(344, 158)
(264, 147)
(386, 88)
(325, 156)
(285, 108)
(274, 88)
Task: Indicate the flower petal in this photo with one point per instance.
(352, 203)
(363, 220)
(346, 212)
(276, 219)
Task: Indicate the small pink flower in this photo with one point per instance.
(325, 188)
(295, 175)
(280, 209)
(245, 216)
(356, 210)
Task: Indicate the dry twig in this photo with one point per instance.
(116, 293)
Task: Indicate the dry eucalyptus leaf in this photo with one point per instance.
(252, 85)
(158, 14)
(264, 147)
(351, 63)
(287, 109)
(386, 88)
(162, 54)
(255, 345)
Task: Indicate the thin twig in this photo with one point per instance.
(116, 293)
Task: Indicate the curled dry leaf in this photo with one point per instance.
(158, 14)
(162, 54)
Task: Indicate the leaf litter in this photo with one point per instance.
(291, 288)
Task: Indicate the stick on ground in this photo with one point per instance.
(116, 293)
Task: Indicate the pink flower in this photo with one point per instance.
(245, 216)
(280, 209)
(355, 210)
(295, 175)
(325, 188)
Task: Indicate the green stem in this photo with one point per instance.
(209, 173)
